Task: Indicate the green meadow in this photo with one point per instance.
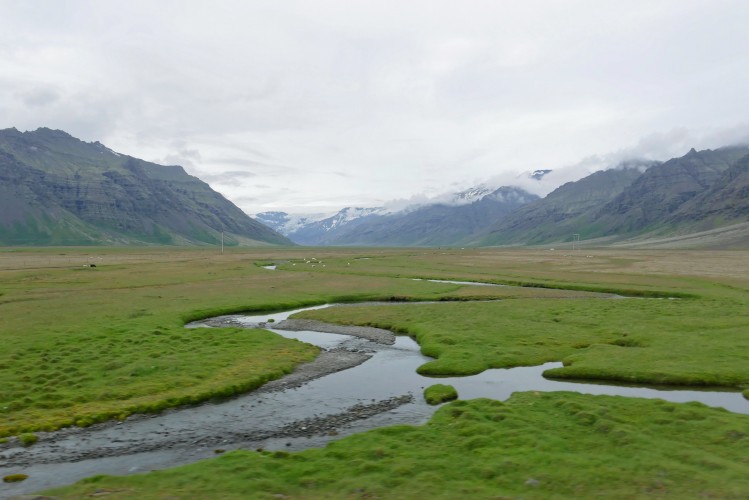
(650, 341)
(86, 344)
(688, 328)
(535, 445)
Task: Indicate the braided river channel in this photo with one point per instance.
(363, 380)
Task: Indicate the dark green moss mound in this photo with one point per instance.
(440, 393)
(15, 478)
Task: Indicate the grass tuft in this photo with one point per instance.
(15, 478)
(440, 393)
(28, 439)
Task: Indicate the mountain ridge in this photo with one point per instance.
(58, 190)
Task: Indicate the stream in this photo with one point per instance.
(364, 385)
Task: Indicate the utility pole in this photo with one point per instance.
(575, 241)
(222, 242)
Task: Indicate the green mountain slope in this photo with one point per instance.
(58, 190)
(725, 202)
(564, 211)
(652, 200)
(700, 191)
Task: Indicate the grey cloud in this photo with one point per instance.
(734, 136)
(39, 97)
(268, 168)
(343, 102)
(241, 200)
(190, 159)
(230, 177)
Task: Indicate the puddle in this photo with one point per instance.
(474, 283)
(272, 268)
(252, 421)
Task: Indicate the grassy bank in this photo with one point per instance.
(556, 445)
(700, 336)
(684, 342)
(86, 344)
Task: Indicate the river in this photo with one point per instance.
(382, 390)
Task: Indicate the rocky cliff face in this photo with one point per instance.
(59, 190)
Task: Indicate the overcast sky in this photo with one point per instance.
(315, 105)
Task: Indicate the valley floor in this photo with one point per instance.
(90, 344)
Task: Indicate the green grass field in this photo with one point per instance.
(556, 445)
(686, 321)
(679, 342)
(86, 344)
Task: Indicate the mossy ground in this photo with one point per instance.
(555, 445)
(440, 393)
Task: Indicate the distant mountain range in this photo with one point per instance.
(700, 191)
(564, 211)
(58, 190)
(636, 199)
(445, 222)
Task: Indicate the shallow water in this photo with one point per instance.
(398, 369)
(249, 421)
(474, 283)
(384, 373)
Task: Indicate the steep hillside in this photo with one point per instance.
(725, 202)
(58, 190)
(656, 196)
(564, 211)
(701, 191)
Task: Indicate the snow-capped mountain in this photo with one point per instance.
(310, 229)
(471, 194)
(538, 174)
(349, 215)
(433, 224)
(452, 216)
(286, 223)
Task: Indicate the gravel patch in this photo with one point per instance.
(377, 335)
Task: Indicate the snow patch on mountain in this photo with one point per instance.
(471, 194)
(350, 214)
(286, 223)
